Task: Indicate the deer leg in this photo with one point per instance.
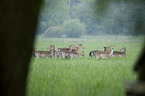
(37, 57)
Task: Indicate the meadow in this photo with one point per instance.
(83, 76)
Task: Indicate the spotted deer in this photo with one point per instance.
(58, 53)
(70, 54)
(104, 54)
(121, 53)
(78, 48)
(66, 49)
(45, 54)
(92, 53)
(52, 53)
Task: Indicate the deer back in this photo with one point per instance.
(104, 54)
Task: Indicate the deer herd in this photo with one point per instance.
(75, 51)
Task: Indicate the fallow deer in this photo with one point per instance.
(66, 49)
(120, 54)
(92, 53)
(104, 54)
(78, 48)
(46, 54)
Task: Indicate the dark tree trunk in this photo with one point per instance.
(18, 20)
(140, 66)
(138, 88)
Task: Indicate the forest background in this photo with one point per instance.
(76, 18)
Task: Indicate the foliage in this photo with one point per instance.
(53, 13)
(53, 32)
(119, 18)
(102, 17)
(84, 11)
(73, 28)
(123, 17)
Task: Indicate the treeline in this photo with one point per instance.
(74, 18)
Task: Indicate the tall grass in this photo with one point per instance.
(83, 76)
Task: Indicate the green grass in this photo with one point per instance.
(84, 76)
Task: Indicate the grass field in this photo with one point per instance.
(83, 76)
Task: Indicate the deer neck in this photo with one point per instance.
(111, 52)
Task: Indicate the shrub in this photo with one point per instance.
(73, 28)
(53, 32)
